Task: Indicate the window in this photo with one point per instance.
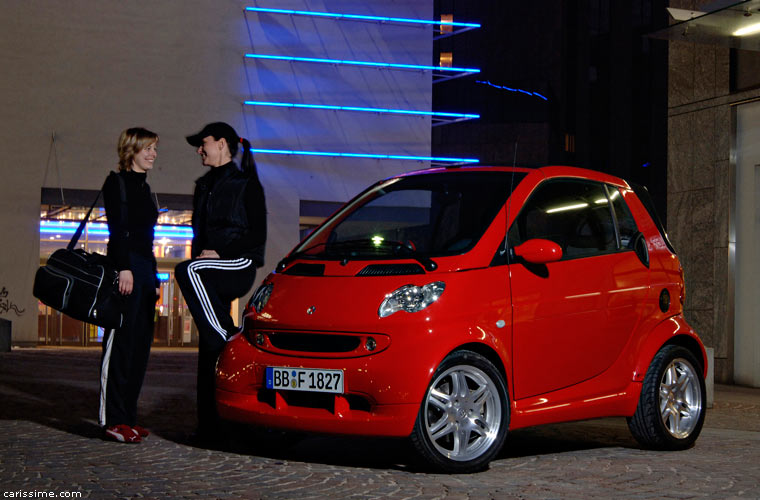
(447, 28)
(424, 215)
(574, 214)
(626, 223)
(446, 59)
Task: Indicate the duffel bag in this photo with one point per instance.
(82, 285)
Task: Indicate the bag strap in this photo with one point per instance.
(79, 230)
(124, 220)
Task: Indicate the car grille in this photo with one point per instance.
(306, 342)
(317, 344)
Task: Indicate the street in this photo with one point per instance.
(50, 442)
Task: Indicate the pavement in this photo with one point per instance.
(51, 447)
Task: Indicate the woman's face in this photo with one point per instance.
(143, 160)
(214, 153)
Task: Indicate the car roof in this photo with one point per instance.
(550, 171)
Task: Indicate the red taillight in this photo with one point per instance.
(682, 295)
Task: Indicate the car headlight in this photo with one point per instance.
(411, 298)
(260, 297)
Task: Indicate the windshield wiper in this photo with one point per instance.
(428, 263)
(396, 246)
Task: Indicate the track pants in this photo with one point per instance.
(126, 349)
(209, 287)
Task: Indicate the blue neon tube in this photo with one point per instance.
(526, 92)
(358, 108)
(363, 63)
(364, 155)
(333, 15)
(101, 229)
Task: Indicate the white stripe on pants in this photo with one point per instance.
(200, 291)
(104, 377)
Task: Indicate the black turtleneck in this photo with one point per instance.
(142, 214)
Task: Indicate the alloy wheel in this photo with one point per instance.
(463, 413)
(680, 398)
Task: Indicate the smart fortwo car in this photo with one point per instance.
(453, 305)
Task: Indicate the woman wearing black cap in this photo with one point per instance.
(229, 233)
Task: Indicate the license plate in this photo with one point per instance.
(304, 379)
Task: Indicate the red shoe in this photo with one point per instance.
(141, 431)
(122, 433)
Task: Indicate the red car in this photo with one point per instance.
(452, 305)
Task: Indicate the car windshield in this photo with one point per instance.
(417, 216)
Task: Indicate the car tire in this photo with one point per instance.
(671, 407)
(465, 403)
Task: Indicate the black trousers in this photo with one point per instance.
(209, 287)
(126, 349)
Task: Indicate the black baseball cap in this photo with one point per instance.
(217, 130)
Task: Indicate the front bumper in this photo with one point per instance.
(382, 393)
(277, 412)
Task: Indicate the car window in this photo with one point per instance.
(625, 221)
(575, 214)
(642, 193)
(428, 215)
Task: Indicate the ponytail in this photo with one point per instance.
(247, 164)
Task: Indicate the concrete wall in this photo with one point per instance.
(747, 315)
(85, 70)
(701, 186)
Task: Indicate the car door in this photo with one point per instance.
(572, 317)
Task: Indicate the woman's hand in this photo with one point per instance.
(126, 282)
(208, 254)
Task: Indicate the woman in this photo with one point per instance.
(132, 214)
(229, 232)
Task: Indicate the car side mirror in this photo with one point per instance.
(539, 251)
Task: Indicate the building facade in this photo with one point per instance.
(714, 196)
(79, 72)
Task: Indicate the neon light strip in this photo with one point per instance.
(363, 63)
(357, 108)
(333, 15)
(527, 92)
(363, 155)
(99, 228)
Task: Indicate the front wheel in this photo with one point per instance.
(464, 416)
(671, 408)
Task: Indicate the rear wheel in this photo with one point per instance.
(464, 416)
(671, 408)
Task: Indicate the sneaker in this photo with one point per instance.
(122, 433)
(141, 431)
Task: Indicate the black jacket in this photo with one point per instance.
(229, 214)
(141, 217)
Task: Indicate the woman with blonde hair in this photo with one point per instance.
(132, 215)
